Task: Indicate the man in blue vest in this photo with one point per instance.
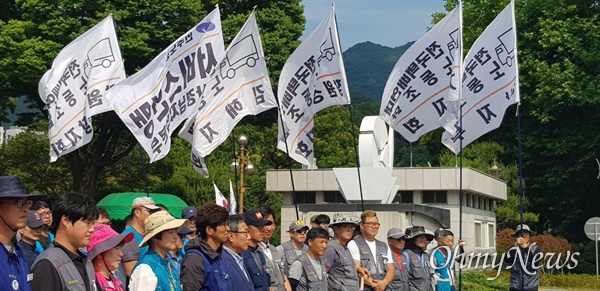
(30, 234)
(63, 266)
(239, 279)
(254, 259)
(14, 206)
(203, 267)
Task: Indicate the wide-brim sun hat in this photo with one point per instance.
(525, 229)
(419, 230)
(12, 187)
(105, 238)
(160, 221)
(343, 218)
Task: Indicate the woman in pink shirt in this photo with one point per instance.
(105, 253)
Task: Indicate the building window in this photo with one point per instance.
(435, 197)
(479, 203)
(334, 197)
(485, 204)
(468, 198)
(478, 235)
(305, 198)
(403, 197)
(491, 206)
(473, 201)
(491, 235)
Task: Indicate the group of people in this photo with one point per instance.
(209, 249)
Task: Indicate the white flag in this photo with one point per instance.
(453, 100)
(313, 78)
(220, 199)
(74, 88)
(233, 204)
(413, 98)
(154, 101)
(490, 81)
(239, 86)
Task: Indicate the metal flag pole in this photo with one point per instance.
(287, 148)
(144, 170)
(362, 201)
(235, 165)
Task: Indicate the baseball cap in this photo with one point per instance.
(255, 217)
(34, 220)
(297, 225)
(184, 231)
(189, 212)
(395, 233)
(147, 202)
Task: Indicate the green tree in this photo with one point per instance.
(34, 34)
(559, 64)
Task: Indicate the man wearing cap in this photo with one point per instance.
(396, 240)
(418, 268)
(190, 214)
(105, 252)
(338, 260)
(295, 247)
(14, 207)
(254, 259)
(523, 277)
(274, 259)
(63, 266)
(239, 279)
(154, 270)
(203, 266)
(29, 235)
(141, 208)
(372, 254)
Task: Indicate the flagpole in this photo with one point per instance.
(287, 149)
(235, 164)
(460, 101)
(360, 188)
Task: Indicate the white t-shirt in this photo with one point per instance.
(353, 248)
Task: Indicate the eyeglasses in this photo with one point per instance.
(346, 227)
(242, 232)
(302, 231)
(45, 213)
(20, 203)
(372, 224)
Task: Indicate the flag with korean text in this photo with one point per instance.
(413, 98)
(233, 203)
(453, 100)
(220, 199)
(155, 100)
(238, 87)
(75, 88)
(490, 81)
(313, 78)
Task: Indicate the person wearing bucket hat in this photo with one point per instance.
(295, 246)
(154, 270)
(419, 270)
(63, 265)
(372, 254)
(396, 240)
(105, 253)
(523, 273)
(338, 260)
(29, 235)
(14, 207)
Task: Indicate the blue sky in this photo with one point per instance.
(390, 23)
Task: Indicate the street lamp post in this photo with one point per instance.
(494, 170)
(244, 165)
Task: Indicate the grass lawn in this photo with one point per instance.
(477, 281)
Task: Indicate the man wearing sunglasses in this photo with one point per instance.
(14, 207)
(295, 247)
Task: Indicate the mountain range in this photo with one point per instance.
(368, 66)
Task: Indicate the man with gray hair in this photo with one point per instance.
(236, 243)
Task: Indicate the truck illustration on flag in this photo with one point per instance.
(241, 53)
(101, 54)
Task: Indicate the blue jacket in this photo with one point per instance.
(237, 279)
(216, 273)
(13, 270)
(259, 275)
(161, 268)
